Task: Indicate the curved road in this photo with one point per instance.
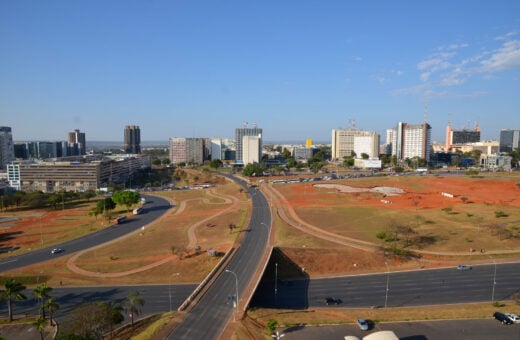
(153, 209)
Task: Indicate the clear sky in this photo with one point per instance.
(297, 68)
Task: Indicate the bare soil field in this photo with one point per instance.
(480, 221)
(178, 242)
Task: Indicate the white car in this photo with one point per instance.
(514, 317)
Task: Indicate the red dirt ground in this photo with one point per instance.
(491, 191)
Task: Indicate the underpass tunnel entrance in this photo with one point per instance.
(284, 284)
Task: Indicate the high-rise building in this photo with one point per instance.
(6, 146)
(251, 149)
(216, 148)
(132, 139)
(411, 141)
(345, 142)
(509, 140)
(239, 135)
(186, 150)
(460, 137)
(76, 143)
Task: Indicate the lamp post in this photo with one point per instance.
(236, 296)
(387, 283)
(170, 289)
(275, 279)
(494, 282)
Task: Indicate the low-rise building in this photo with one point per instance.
(79, 174)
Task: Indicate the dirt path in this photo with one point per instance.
(281, 205)
(71, 263)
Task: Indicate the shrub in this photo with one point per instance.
(271, 325)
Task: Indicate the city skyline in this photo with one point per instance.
(296, 69)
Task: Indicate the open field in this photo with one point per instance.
(483, 214)
(23, 231)
(204, 213)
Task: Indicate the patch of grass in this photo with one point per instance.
(500, 213)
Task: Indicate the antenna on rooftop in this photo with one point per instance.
(352, 123)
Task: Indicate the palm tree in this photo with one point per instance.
(135, 301)
(13, 290)
(40, 325)
(42, 292)
(114, 314)
(51, 306)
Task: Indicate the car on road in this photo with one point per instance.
(515, 318)
(502, 317)
(463, 267)
(57, 251)
(332, 301)
(362, 324)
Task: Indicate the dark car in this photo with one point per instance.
(506, 320)
(57, 251)
(332, 301)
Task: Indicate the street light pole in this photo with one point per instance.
(170, 289)
(276, 279)
(494, 283)
(236, 296)
(387, 283)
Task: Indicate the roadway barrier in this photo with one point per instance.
(206, 283)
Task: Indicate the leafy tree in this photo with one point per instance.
(166, 161)
(42, 292)
(253, 169)
(156, 161)
(13, 290)
(87, 321)
(126, 198)
(105, 204)
(51, 306)
(134, 301)
(215, 163)
(286, 154)
(365, 155)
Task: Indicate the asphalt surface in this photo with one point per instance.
(156, 297)
(153, 209)
(481, 329)
(208, 318)
(410, 288)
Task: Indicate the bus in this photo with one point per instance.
(120, 219)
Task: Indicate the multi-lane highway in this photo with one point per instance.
(153, 209)
(209, 316)
(410, 288)
(157, 298)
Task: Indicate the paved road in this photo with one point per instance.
(156, 297)
(208, 318)
(481, 329)
(412, 288)
(153, 209)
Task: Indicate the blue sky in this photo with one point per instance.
(298, 69)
